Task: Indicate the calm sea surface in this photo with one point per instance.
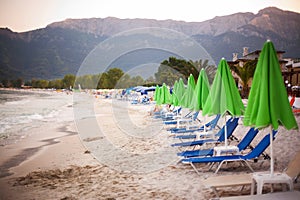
(24, 110)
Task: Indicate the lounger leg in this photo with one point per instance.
(252, 187)
(272, 188)
(291, 185)
(248, 165)
(242, 188)
(194, 167)
(215, 191)
(259, 187)
(219, 167)
(211, 166)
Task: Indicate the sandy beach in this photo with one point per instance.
(67, 160)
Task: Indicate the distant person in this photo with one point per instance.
(145, 99)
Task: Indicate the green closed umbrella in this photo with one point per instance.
(224, 97)
(180, 91)
(175, 101)
(175, 86)
(189, 92)
(268, 104)
(156, 93)
(201, 91)
(165, 96)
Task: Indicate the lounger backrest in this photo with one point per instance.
(213, 123)
(247, 139)
(188, 115)
(293, 169)
(231, 124)
(177, 110)
(195, 115)
(260, 147)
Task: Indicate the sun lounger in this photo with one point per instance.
(254, 154)
(167, 115)
(193, 133)
(243, 144)
(290, 195)
(182, 120)
(230, 124)
(209, 126)
(172, 114)
(292, 170)
(227, 181)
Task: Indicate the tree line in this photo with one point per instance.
(113, 78)
(168, 72)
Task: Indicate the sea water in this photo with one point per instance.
(22, 110)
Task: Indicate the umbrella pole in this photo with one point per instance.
(177, 119)
(225, 131)
(204, 126)
(177, 124)
(271, 151)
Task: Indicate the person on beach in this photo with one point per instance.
(145, 100)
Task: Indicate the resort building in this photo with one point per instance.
(292, 73)
(290, 68)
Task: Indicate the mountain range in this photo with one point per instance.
(61, 47)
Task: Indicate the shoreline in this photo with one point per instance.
(27, 109)
(40, 152)
(27, 153)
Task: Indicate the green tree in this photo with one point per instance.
(137, 80)
(6, 83)
(114, 75)
(103, 81)
(245, 73)
(28, 83)
(174, 68)
(124, 82)
(39, 83)
(95, 80)
(85, 82)
(42, 84)
(110, 78)
(19, 83)
(170, 70)
(210, 69)
(68, 81)
(57, 84)
(34, 83)
(181, 66)
(150, 82)
(168, 76)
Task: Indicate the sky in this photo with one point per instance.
(26, 15)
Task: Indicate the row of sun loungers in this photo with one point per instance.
(206, 155)
(200, 148)
(254, 154)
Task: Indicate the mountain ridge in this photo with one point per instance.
(60, 47)
(99, 26)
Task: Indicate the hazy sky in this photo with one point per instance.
(24, 15)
